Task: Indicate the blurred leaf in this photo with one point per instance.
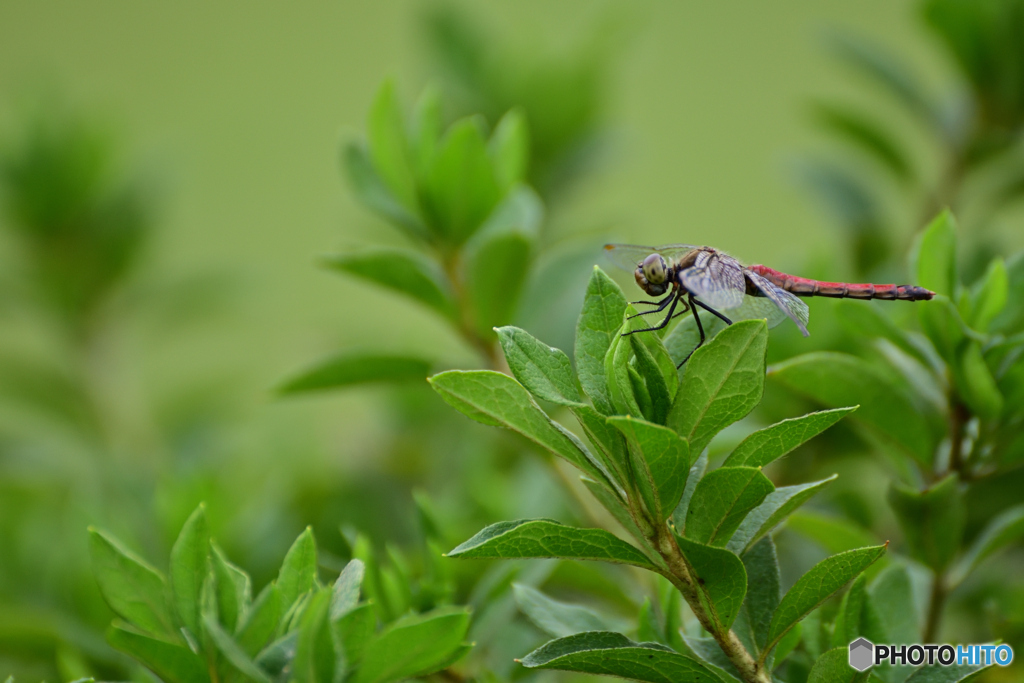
(847, 627)
(547, 538)
(697, 470)
(375, 195)
(345, 597)
(763, 593)
(233, 652)
(777, 505)
(355, 367)
(942, 324)
(425, 131)
(389, 148)
(1002, 530)
(510, 149)
(261, 621)
(135, 591)
(936, 673)
(172, 663)
(867, 135)
(234, 589)
(721, 580)
(545, 371)
(1012, 316)
(557, 619)
(889, 613)
(724, 381)
(315, 660)
(498, 400)
(413, 646)
(498, 259)
(771, 443)
(598, 326)
(819, 584)
(189, 567)
(355, 628)
(721, 500)
(460, 190)
(833, 534)
(866, 321)
(402, 270)
(990, 295)
(837, 379)
(932, 520)
(833, 667)
(934, 256)
(613, 654)
(975, 383)
(298, 571)
(277, 657)
(661, 463)
(788, 642)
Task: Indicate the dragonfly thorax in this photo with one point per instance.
(653, 274)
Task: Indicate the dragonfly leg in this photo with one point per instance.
(700, 328)
(660, 305)
(663, 323)
(712, 311)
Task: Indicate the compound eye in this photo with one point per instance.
(655, 269)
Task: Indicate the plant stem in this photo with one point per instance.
(958, 417)
(936, 605)
(681, 575)
(486, 347)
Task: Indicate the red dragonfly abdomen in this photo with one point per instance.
(802, 286)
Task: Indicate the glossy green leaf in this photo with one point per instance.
(233, 588)
(627, 390)
(683, 338)
(460, 190)
(189, 567)
(136, 591)
(654, 378)
(404, 271)
(761, 563)
(613, 654)
(298, 571)
(261, 621)
(557, 619)
(821, 582)
(776, 506)
(724, 380)
(975, 383)
(838, 379)
(389, 147)
(1005, 528)
(372, 191)
(509, 148)
(771, 443)
(315, 659)
(867, 135)
(352, 368)
(413, 646)
(355, 628)
(848, 625)
(545, 538)
(720, 502)
(232, 651)
(498, 400)
(935, 256)
(345, 595)
(834, 667)
(990, 295)
(172, 663)
(598, 326)
(932, 520)
(661, 463)
(721, 580)
(545, 371)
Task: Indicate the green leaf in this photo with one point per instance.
(932, 520)
(834, 667)
(261, 622)
(975, 383)
(831, 533)
(134, 590)
(661, 463)
(990, 295)
(776, 506)
(544, 370)
(498, 400)
(315, 660)
(942, 324)
(721, 580)
(788, 643)
(298, 571)
(816, 586)
(869, 136)
(724, 381)
(934, 258)
(868, 322)
(372, 191)
(189, 567)
(401, 270)
(771, 443)
(848, 624)
(389, 147)
(172, 663)
(613, 654)
(425, 130)
(936, 673)
(598, 326)
(697, 470)
(234, 589)
(617, 507)
(351, 368)
(498, 259)
(460, 190)
(720, 502)
(889, 614)
(232, 651)
(509, 148)
(546, 538)
(414, 646)
(345, 597)
(355, 629)
(838, 379)
(557, 619)
(655, 379)
(609, 441)
(710, 652)
(761, 563)
(1002, 530)
(683, 338)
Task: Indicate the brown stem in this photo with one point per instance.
(682, 577)
(936, 605)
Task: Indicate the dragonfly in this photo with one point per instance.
(705, 278)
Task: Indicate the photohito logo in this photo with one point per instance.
(864, 654)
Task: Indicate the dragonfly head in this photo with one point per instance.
(653, 275)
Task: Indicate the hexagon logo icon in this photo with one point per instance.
(862, 654)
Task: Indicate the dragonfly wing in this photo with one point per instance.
(629, 256)
(784, 302)
(717, 280)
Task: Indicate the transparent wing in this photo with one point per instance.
(717, 280)
(776, 305)
(629, 256)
